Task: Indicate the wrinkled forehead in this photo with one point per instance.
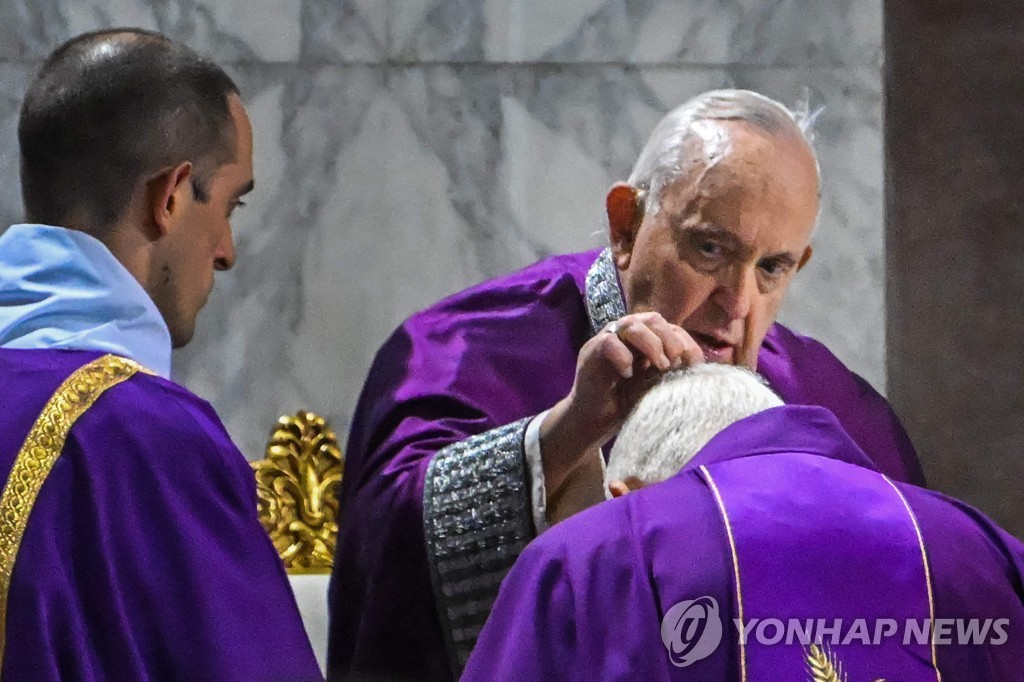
(766, 168)
(746, 151)
(736, 174)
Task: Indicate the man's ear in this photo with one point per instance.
(808, 252)
(167, 195)
(619, 488)
(625, 214)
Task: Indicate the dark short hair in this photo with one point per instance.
(111, 107)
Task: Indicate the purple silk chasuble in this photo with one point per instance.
(818, 533)
(435, 499)
(143, 557)
(841, 548)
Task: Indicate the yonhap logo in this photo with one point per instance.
(691, 630)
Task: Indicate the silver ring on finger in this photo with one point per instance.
(613, 328)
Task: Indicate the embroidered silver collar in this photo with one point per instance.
(605, 303)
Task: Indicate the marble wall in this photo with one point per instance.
(408, 148)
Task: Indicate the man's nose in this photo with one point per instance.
(736, 291)
(224, 258)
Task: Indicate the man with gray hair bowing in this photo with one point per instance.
(677, 418)
(773, 550)
(483, 416)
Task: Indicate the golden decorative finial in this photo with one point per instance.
(297, 489)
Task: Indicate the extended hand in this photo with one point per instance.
(613, 371)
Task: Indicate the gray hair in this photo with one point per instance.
(680, 415)
(680, 142)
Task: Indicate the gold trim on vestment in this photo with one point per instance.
(927, 576)
(816, 655)
(39, 453)
(735, 568)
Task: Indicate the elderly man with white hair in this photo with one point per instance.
(677, 418)
(483, 417)
(774, 549)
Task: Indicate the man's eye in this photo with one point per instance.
(773, 268)
(709, 249)
(238, 203)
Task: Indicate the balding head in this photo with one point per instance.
(108, 110)
(679, 416)
(716, 220)
(690, 140)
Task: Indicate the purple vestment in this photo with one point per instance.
(143, 557)
(818, 534)
(435, 499)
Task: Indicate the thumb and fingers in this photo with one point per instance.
(615, 370)
(651, 342)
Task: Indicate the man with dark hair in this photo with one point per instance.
(130, 548)
(131, 118)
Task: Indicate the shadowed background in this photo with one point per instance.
(955, 262)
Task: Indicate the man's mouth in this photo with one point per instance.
(714, 348)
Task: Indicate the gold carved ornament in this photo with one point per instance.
(297, 492)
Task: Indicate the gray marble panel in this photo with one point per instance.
(707, 32)
(344, 31)
(14, 79)
(839, 298)
(381, 190)
(275, 336)
(530, 152)
(405, 150)
(254, 30)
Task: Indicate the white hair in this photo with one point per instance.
(683, 139)
(680, 415)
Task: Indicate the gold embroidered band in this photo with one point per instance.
(927, 575)
(735, 566)
(40, 451)
(819, 660)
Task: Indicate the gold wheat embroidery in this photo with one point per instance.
(824, 667)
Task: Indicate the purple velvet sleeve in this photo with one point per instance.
(383, 619)
(434, 499)
(144, 558)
